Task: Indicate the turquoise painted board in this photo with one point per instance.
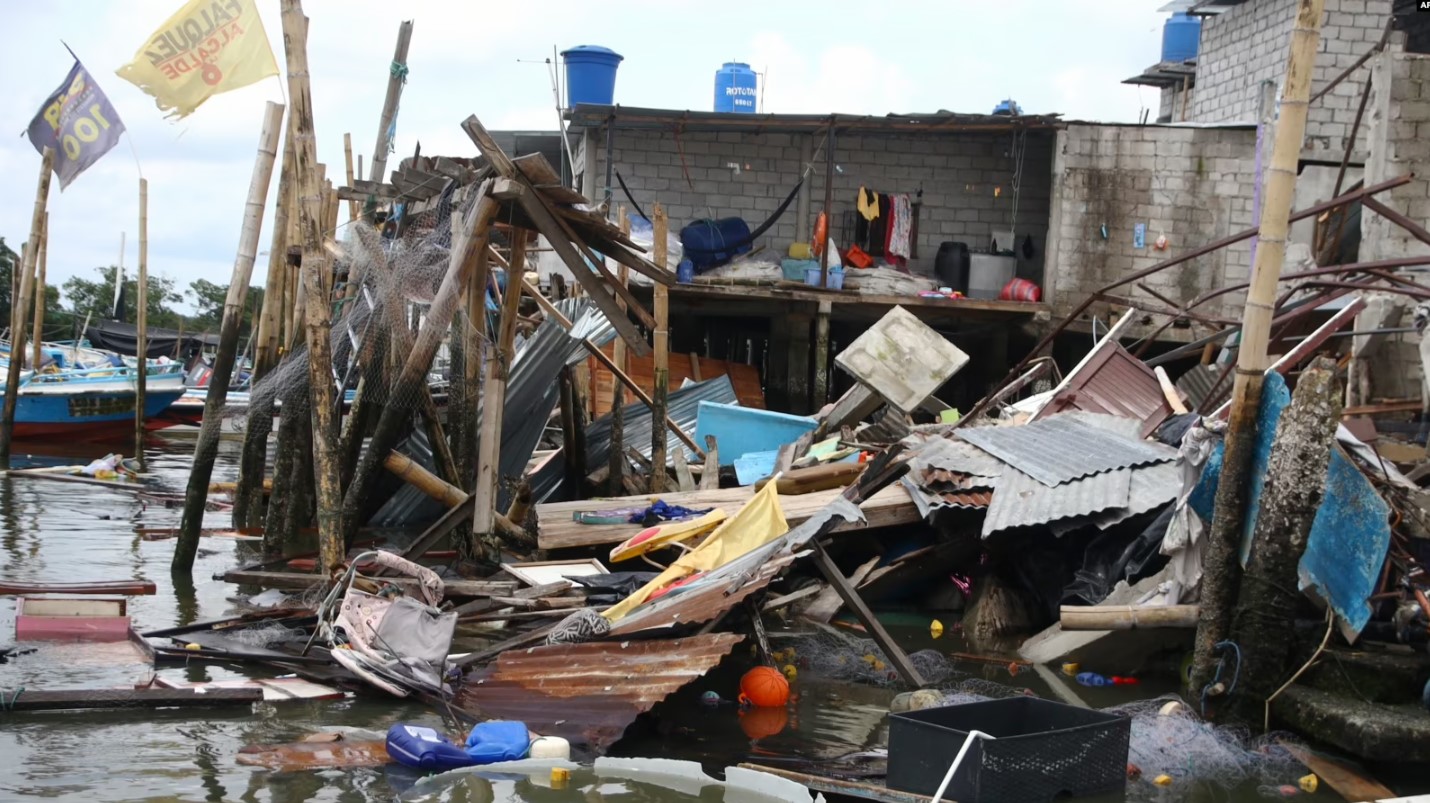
(741, 430)
(1349, 536)
(752, 467)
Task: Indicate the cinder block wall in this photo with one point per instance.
(967, 181)
(1193, 185)
(1170, 108)
(1248, 44)
(1398, 131)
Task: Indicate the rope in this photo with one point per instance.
(399, 71)
(9, 704)
(1221, 664)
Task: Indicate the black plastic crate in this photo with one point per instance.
(1042, 750)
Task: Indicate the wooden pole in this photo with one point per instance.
(1127, 617)
(493, 407)
(319, 312)
(1222, 571)
(17, 329)
(348, 163)
(660, 391)
(397, 78)
(43, 258)
(141, 316)
(617, 461)
(206, 446)
(828, 213)
(248, 499)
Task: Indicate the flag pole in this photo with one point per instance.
(27, 286)
(141, 317)
(38, 335)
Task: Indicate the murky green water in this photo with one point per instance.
(57, 532)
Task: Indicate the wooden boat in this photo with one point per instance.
(90, 402)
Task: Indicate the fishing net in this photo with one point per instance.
(861, 661)
(1175, 741)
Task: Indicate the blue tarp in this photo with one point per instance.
(1349, 536)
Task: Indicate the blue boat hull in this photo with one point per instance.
(85, 414)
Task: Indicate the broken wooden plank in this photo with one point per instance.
(121, 587)
(1346, 780)
(775, 603)
(896, 655)
(710, 479)
(69, 699)
(828, 602)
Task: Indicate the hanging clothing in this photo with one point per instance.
(868, 204)
(879, 227)
(901, 228)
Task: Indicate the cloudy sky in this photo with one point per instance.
(473, 56)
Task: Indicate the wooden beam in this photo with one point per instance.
(661, 384)
(69, 699)
(494, 403)
(710, 478)
(896, 655)
(616, 468)
(299, 582)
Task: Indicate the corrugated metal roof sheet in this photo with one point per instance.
(589, 693)
(682, 406)
(1063, 448)
(531, 394)
(1022, 501)
(1152, 487)
(928, 500)
(953, 455)
(1116, 383)
(1197, 385)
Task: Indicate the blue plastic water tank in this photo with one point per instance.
(736, 88)
(591, 75)
(1181, 34)
(1008, 106)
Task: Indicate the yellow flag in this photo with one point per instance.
(208, 47)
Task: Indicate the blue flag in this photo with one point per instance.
(78, 122)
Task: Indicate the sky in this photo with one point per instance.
(486, 58)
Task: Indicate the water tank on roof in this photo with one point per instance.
(1181, 34)
(736, 88)
(591, 75)
(1008, 106)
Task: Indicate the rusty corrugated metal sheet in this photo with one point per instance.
(589, 693)
(1116, 383)
(1068, 446)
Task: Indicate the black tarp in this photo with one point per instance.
(124, 339)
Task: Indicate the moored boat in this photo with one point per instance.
(91, 402)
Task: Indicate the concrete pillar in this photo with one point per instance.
(798, 362)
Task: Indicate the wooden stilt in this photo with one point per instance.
(397, 78)
(206, 447)
(318, 313)
(617, 464)
(660, 390)
(142, 321)
(493, 407)
(348, 164)
(17, 313)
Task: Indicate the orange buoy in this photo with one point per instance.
(764, 687)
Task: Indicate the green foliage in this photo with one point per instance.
(58, 323)
(209, 298)
(96, 298)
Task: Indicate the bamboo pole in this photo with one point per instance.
(17, 329)
(617, 463)
(141, 317)
(248, 499)
(348, 163)
(494, 407)
(397, 78)
(1127, 617)
(1222, 571)
(660, 391)
(318, 323)
(206, 446)
(43, 258)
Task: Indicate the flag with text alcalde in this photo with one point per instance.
(207, 48)
(78, 122)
